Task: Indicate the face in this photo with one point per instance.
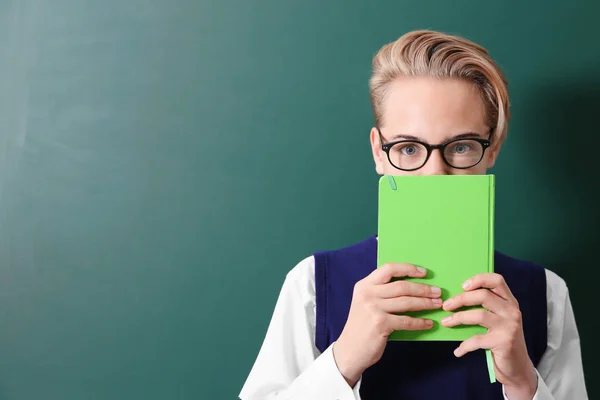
(432, 111)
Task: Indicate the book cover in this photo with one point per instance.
(444, 223)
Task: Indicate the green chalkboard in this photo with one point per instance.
(164, 163)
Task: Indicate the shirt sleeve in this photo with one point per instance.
(560, 371)
(289, 366)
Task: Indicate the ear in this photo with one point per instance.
(378, 154)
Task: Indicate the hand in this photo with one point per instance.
(372, 317)
(505, 338)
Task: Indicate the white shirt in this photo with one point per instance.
(290, 367)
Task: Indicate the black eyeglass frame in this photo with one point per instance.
(386, 147)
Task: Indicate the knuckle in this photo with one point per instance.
(379, 321)
(403, 287)
(363, 296)
(513, 330)
(415, 304)
(420, 304)
(401, 304)
(413, 269)
(424, 290)
(412, 304)
(485, 294)
(457, 317)
(388, 268)
(509, 341)
(421, 324)
(409, 323)
(425, 302)
(428, 303)
(361, 292)
(481, 315)
(371, 307)
(358, 287)
(486, 298)
(414, 323)
(516, 315)
(459, 298)
(387, 272)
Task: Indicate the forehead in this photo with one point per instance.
(433, 108)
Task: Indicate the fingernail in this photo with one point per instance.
(467, 284)
(421, 270)
(446, 320)
(448, 303)
(436, 290)
(456, 352)
(437, 301)
(429, 323)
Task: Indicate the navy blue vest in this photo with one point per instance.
(424, 370)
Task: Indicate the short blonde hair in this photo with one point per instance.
(439, 55)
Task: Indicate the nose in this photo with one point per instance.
(436, 165)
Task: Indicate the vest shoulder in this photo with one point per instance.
(530, 277)
(352, 249)
(507, 261)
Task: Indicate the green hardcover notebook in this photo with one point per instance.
(444, 223)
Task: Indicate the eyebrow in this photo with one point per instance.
(419, 139)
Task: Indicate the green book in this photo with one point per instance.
(444, 223)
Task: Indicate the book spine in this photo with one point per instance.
(492, 209)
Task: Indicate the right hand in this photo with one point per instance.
(372, 317)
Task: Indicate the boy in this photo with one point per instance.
(441, 107)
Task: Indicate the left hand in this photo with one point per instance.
(504, 338)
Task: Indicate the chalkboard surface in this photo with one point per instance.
(163, 164)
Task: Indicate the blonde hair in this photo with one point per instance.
(439, 55)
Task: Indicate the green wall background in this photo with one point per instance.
(163, 164)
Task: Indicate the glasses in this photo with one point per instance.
(410, 155)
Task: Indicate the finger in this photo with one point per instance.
(476, 342)
(473, 317)
(405, 323)
(492, 281)
(386, 272)
(403, 304)
(479, 297)
(406, 288)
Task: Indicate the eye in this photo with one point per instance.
(461, 148)
(409, 150)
